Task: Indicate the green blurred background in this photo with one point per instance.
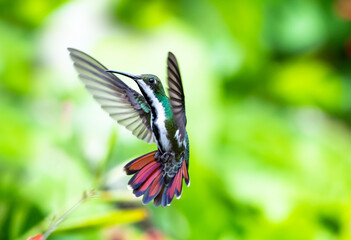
(267, 85)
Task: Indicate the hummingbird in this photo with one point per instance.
(152, 117)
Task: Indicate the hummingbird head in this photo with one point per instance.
(148, 83)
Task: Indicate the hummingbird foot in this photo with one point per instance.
(157, 156)
(167, 156)
(164, 157)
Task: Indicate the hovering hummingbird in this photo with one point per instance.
(152, 117)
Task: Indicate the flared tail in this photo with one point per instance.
(148, 180)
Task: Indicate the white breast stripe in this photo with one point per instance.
(177, 136)
(159, 120)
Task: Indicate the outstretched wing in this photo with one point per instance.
(176, 93)
(123, 104)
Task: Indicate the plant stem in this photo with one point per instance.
(54, 225)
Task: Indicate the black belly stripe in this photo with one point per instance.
(154, 116)
(157, 133)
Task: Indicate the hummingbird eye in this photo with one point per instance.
(152, 80)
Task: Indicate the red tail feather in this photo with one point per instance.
(138, 163)
(173, 187)
(144, 174)
(179, 185)
(148, 180)
(185, 174)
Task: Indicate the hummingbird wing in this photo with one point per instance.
(125, 105)
(176, 93)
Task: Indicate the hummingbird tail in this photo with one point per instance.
(148, 180)
(174, 188)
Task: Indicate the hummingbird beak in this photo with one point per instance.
(135, 78)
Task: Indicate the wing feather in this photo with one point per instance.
(176, 93)
(125, 105)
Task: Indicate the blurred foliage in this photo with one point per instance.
(267, 85)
